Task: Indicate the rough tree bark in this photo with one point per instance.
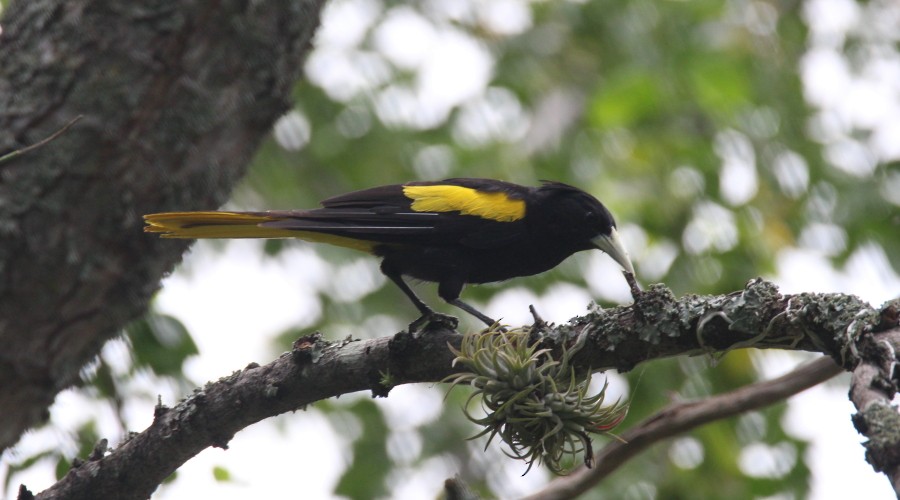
(175, 96)
(656, 326)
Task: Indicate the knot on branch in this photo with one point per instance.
(309, 349)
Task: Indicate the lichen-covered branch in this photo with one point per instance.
(660, 326)
(656, 326)
(872, 388)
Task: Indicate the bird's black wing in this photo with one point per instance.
(476, 213)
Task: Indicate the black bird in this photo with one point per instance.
(451, 232)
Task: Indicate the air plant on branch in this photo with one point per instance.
(536, 404)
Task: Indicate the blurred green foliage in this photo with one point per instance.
(691, 121)
(370, 466)
(687, 119)
(161, 343)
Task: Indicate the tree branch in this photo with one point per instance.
(872, 388)
(656, 326)
(682, 417)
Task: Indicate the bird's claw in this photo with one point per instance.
(433, 320)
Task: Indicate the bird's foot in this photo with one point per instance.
(433, 320)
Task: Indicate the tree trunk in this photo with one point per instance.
(175, 96)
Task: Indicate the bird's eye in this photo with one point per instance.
(589, 214)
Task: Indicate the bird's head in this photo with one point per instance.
(587, 220)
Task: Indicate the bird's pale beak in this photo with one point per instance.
(612, 244)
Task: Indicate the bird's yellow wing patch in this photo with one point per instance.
(467, 201)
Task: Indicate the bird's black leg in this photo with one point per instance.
(429, 315)
(471, 310)
(450, 291)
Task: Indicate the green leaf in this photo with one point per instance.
(161, 343)
(62, 467)
(221, 474)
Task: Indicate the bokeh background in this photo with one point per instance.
(731, 139)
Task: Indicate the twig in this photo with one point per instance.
(683, 417)
(633, 285)
(42, 142)
(539, 322)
